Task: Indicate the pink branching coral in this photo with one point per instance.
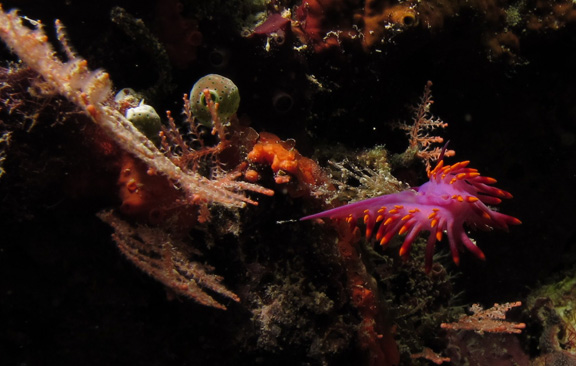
(491, 320)
(92, 92)
(420, 140)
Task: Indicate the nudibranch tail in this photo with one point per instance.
(455, 197)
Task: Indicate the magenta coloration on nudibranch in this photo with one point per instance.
(455, 197)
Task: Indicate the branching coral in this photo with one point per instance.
(491, 320)
(92, 90)
(478, 339)
(168, 259)
(184, 168)
(149, 175)
(420, 142)
(371, 179)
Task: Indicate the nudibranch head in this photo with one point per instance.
(222, 91)
(455, 197)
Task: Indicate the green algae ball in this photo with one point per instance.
(222, 91)
(146, 120)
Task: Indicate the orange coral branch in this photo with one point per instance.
(491, 320)
(418, 132)
(430, 355)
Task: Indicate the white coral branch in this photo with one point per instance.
(91, 91)
(168, 260)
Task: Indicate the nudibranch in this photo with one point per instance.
(455, 197)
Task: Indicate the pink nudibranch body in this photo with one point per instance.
(455, 197)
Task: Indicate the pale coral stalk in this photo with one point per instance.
(92, 91)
